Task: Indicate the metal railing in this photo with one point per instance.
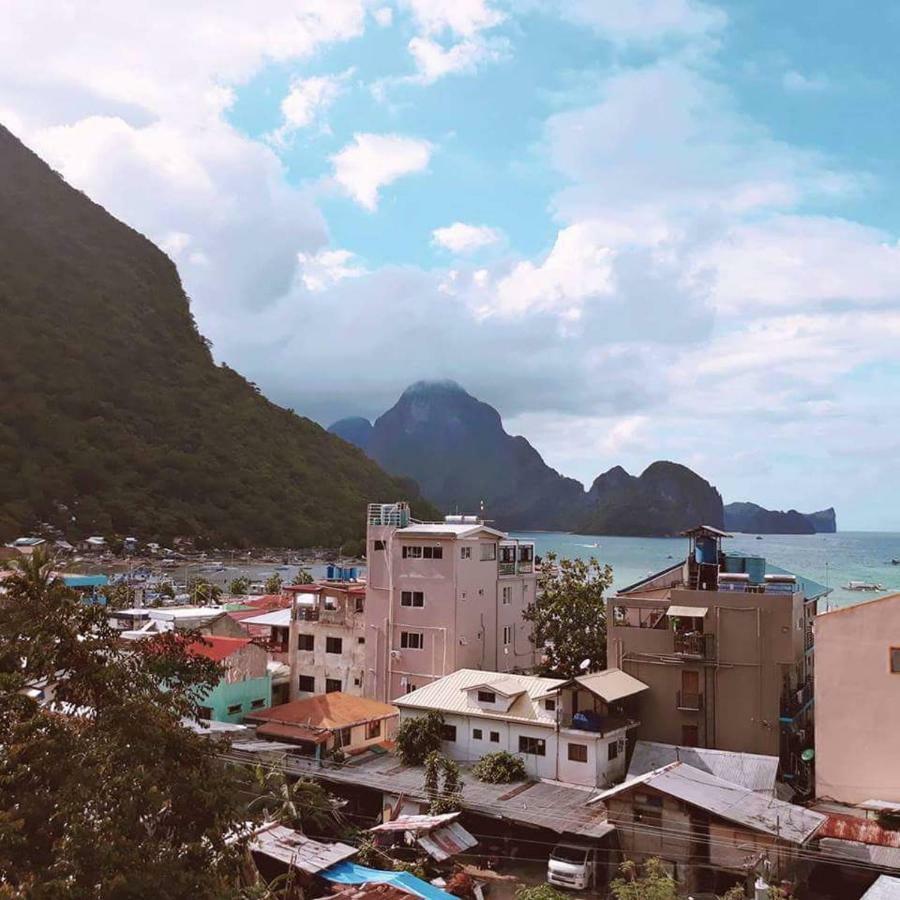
(689, 701)
(506, 568)
(308, 615)
(695, 644)
(793, 703)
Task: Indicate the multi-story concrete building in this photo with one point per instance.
(858, 703)
(442, 596)
(320, 639)
(725, 644)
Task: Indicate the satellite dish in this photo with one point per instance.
(584, 665)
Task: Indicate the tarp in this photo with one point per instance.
(351, 873)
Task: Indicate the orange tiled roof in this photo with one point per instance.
(334, 710)
(217, 648)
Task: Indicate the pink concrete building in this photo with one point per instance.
(442, 596)
(858, 702)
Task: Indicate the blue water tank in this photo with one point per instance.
(353, 573)
(755, 567)
(734, 563)
(329, 572)
(707, 550)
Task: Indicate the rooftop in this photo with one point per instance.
(727, 800)
(325, 711)
(750, 770)
(886, 887)
(295, 849)
(217, 648)
(452, 530)
(610, 685)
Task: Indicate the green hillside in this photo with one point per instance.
(112, 410)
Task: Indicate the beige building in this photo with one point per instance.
(442, 596)
(724, 643)
(858, 702)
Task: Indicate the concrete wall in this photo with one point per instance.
(858, 703)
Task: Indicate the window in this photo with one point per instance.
(895, 660)
(334, 644)
(410, 687)
(378, 545)
(235, 709)
(332, 685)
(411, 640)
(307, 684)
(488, 552)
(432, 553)
(477, 734)
(357, 681)
(465, 552)
(532, 746)
(373, 730)
(550, 705)
(650, 818)
(342, 737)
(415, 599)
(507, 634)
(487, 697)
(360, 604)
(360, 640)
(306, 642)
(495, 737)
(411, 552)
(257, 704)
(578, 753)
(506, 596)
(448, 732)
(612, 751)
(205, 712)
(689, 736)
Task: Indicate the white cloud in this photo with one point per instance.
(433, 61)
(384, 16)
(646, 20)
(306, 100)
(372, 161)
(322, 270)
(461, 237)
(462, 17)
(797, 82)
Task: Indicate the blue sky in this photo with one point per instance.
(641, 229)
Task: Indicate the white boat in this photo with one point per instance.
(870, 586)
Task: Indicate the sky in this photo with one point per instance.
(641, 229)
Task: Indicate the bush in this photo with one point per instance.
(418, 737)
(499, 768)
(540, 892)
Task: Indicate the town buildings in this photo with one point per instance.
(572, 731)
(246, 684)
(857, 682)
(725, 643)
(442, 596)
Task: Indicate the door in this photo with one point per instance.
(690, 689)
(689, 736)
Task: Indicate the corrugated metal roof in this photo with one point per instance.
(750, 770)
(885, 857)
(854, 828)
(885, 888)
(447, 841)
(297, 850)
(351, 873)
(729, 801)
(279, 618)
(415, 824)
(448, 529)
(448, 694)
(611, 685)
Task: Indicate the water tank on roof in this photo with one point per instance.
(734, 564)
(707, 550)
(470, 520)
(329, 572)
(454, 520)
(755, 567)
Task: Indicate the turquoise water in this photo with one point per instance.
(831, 559)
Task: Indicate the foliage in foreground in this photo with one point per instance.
(419, 736)
(500, 767)
(443, 785)
(568, 616)
(540, 892)
(104, 794)
(648, 882)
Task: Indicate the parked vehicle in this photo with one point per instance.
(574, 866)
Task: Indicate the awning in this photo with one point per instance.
(687, 611)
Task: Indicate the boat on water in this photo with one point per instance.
(895, 562)
(759, 537)
(869, 586)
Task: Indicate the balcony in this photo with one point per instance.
(695, 644)
(688, 702)
(308, 615)
(808, 638)
(506, 568)
(796, 702)
(595, 723)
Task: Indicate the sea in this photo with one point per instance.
(833, 560)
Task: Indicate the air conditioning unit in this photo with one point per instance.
(395, 654)
(463, 642)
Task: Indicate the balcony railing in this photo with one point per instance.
(526, 568)
(695, 644)
(793, 703)
(595, 722)
(308, 615)
(507, 568)
(688, 701)
(808, 638)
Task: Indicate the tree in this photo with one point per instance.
(302, 804)
(274, 584)
(118, 596)
(239, 586)
(105, 792)
(568, 616)
(540, 892)
(446, 797)
(302, 577)
(499, 768)
(166, 589)
(419, 736)
(655, 883)
(203, 592)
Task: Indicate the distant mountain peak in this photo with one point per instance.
(435, 387)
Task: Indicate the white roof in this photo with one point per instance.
(454, 530)
(449, 695)
(278, 618)
(885, 888)
(750, 770)
(297, 850)
(611, 685)
(727, 800)
(186, 612)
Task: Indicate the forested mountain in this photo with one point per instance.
(751, 518)
(114, 416)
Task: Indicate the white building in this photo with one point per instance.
(571, 731)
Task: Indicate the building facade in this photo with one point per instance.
(441, 597)
(725, 644)
(246, 685)
(858, 702)
(561, 730)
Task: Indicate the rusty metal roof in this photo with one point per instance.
(297, 850)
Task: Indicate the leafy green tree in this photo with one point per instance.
(419, 736)
(649, 882)
(568, 616)
(273, 584)
(203, 592)
(118, 596)
(239, 586)
(166, 589)
(735, 892)
(301, 804)
(302, 577)
(443, 797)
(105, 794)
(499, 768)
(540, 892)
